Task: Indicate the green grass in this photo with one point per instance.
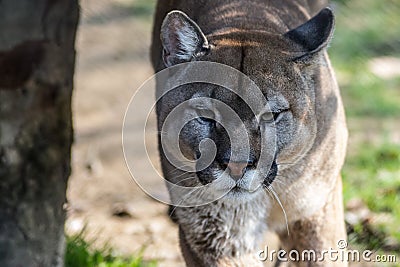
(373, 175)
(80, 253)
(367, 29)
(143, 8)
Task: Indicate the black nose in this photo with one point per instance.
(237, 169)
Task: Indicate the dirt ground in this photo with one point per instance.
(112, 62)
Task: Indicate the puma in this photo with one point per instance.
(281, 46)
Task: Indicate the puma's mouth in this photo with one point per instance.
(238, 188)
(243, 187)
(239, 193)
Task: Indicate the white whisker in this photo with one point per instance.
(280, 204)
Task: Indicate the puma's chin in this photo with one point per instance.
(241, 194)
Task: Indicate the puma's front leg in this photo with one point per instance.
(319, 233)
(189, 255)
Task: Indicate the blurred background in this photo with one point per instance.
(111, 222)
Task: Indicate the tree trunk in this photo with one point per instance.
(37, 58)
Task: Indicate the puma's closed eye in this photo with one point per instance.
(267, 117)
(270, 117)
(206, 114)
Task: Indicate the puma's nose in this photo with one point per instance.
(237, 169)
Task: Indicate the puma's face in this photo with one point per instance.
(282, 66)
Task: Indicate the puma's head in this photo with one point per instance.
(283, 66)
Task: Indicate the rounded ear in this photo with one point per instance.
(315, 34)
(182, 39)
